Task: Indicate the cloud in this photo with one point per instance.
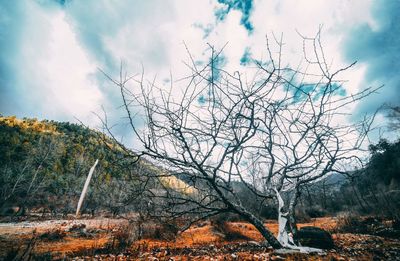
(376, 45)
(126, 29)
(44, 72)
(140, 34)
(51, 49)
(243, 6)
(207, 29)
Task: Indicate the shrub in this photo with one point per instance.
(53, 235)
(221, 226)
(316, 212)
(160, 230)
(225, 217)
(122, 237)
(302, 216)
(351, 223)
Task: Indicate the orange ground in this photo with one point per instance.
(194, 236)
(202, 236)
(205, 234)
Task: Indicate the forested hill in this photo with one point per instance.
(45, 163)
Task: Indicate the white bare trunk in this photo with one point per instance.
(285, 237)
(85, 187)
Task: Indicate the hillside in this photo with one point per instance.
(45, 163)
(371, 190)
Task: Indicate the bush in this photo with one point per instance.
(167, 231)
(123, 238)
(302, 216)
(269, 212)
(316, 212)
(160, 230)
(351, 223)
(226, 217)
(221, 226)
(54, 235)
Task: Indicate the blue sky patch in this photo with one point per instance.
(219, 62)
(301, 92)
(244, 6)
(246, 57)
(202, 99)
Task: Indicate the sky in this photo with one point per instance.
(51, 50)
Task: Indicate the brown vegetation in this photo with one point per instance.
(221, 240)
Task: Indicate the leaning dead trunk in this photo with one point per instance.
(266, 233)
(85, 187)
(269, 237)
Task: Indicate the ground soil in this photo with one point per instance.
(98, 239)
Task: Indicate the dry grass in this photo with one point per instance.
(200, 242)
(196, 236)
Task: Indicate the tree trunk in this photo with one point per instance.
(292, 214)
(240, 210)
(285, 236)
(85, 187)
(271, 239)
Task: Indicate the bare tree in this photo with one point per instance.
(272, 133)
(393, 114)
(22, 180)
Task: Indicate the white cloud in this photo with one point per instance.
(67, 78)
(61, 48)
(50, 72)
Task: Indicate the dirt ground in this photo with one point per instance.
(102, 238)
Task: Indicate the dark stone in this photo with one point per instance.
(396, 224)
(315, 237)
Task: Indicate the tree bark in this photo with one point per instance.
(285, 237)
(271, 239)
(85, 187)
(292, 207)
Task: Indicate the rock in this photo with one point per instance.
(315, 237)
(76, 227)
(253, 243)
(285, 251)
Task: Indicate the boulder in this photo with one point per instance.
(315, 237)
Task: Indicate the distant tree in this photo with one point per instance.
(26, 169)
(273, 132)
(43, 165)
(393, 114)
